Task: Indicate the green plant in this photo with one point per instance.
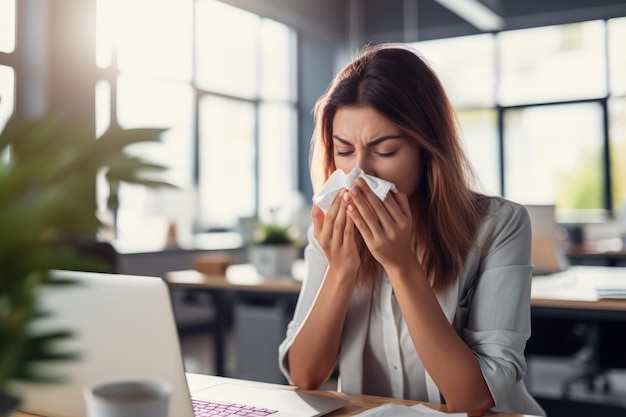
(275, 234)
(48, 169)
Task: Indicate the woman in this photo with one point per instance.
(424, 295)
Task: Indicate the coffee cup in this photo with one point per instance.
(141, 398)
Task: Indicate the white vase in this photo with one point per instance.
(274, 261)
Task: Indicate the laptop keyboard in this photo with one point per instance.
(204, 408)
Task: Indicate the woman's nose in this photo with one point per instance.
(364, 164)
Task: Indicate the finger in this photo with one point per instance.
(317, 215)
(389, 212)
(398, 207)
(329, 218)
(349, 230)
(359, 222)
(403, 202)
(334, 206)
(339, 224)
(369, 195)
(366, 211)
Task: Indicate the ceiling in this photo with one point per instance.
(384, 20)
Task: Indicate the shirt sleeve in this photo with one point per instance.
(497, 323)
(316, 266)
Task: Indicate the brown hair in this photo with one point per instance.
(395, 81)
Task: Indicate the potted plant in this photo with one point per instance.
(274, 248)
(48, 169)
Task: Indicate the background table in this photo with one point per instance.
(241, 284)
(573, 293)
(570, 315)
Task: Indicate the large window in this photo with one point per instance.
(7, 46)
(7, 25)
(554, 63)
(7, 94)
(553, 154)
(247, 113)
(542, 113)
(222, 82)
(472, 58)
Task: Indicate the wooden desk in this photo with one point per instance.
(357, 403)
(574, 288)
(241, 283)
(574, 294)
(570, 294)
(239, 278)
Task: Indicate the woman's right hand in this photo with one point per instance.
(313, 354)
(335, 232)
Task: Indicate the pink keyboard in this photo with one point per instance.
(204, 408)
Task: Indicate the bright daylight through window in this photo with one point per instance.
(563, 124)
(224, 104)
(542, 110)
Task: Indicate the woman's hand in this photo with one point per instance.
(386, 226)
(315, 350)
(335, 233)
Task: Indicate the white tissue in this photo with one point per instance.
(396, 410)
(339, 180)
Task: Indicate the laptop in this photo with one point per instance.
(124, 329)
(546, 256)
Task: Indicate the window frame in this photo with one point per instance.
(112, 71)
(608, 208)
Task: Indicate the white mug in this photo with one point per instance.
(147, 398)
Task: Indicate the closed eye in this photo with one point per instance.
(386, 154)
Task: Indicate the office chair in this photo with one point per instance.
(610, 348)
(565, 338)
(595, 347)
(560, 407)
(605, 351)
(592, 373)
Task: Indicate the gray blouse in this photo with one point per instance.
(489, 307)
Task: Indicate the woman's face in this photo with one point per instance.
(365, 138)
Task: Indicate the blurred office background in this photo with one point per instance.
(539, 87)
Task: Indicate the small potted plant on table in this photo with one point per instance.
(274, 249)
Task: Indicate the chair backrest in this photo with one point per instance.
(559, 407)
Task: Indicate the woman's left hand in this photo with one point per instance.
(386, 226)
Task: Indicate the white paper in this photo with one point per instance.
(396, 410)
(340, 180)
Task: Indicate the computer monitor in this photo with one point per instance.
(547, 255)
